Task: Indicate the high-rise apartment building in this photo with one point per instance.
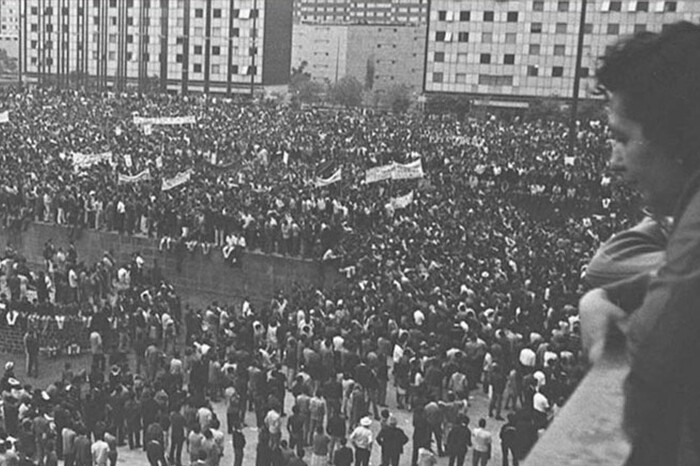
(9, 28)
(361, 11)
(379, 55)
(528, 48)
(219, 46)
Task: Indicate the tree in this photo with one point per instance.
(302, 88)
(347, 91)
(398, 98)
(8, 65)
(369, 76)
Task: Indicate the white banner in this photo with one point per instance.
(334, 178)
(5, 116)
(143, 176)
(127, 160)
(186, 120)
(569, 160)
(376, 174)
(402, 202)
(87, 160)
(395, 171)
(407, 171)
(177, 180)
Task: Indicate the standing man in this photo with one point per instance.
(238, 445)
(31, 349)
(458, 441)
(361, 438)
(482, 444)
(507, 436)
(392, 439)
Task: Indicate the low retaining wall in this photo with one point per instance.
(203, 279)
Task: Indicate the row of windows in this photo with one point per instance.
(504, 80)
(197, 32)
(486, 58)
(562, 6)
(198, 13)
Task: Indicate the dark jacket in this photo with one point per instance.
(458, 440)
(392, 440)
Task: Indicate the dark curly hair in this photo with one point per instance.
(657, 76)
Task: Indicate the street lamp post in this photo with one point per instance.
(577, 79)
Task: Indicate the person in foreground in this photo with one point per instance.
(652, 82)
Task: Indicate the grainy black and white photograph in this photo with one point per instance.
(349, 232)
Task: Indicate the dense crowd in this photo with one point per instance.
(471, 285)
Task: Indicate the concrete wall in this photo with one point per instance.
(203, 278)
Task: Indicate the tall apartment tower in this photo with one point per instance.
(217, 46)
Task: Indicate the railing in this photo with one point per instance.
(588, 431)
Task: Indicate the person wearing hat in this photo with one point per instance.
(361, 438)
(392, 439)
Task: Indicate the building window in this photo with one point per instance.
(461, 78)
(642, 6)
(216, 50)
(437, 77)
(252, 70)
(512, 16)
(462, 57)
(112, 3)
(465, 15)
(488, 16)
(588, 28)
(129, 56)
(584, 72)
(49, 28)
(96, 3)
(561, 28)
(533, 70)
(199, 32)
(96, 20)
(112, 56)
(534, 49)
(48, 45)
(538, 5)
(215, 69)
(215, 32)
(486, 37)
(559, 50)
(129, 20)
(197, 68)
(113, 20)
(440, 36)
(236, 32)
(563, 5)
(49, 61)
(81, 11)
(511, 38)
(35, 10)
(178, 58)
(485, 58)
(216, 13)
(613, 29)
(442, 15)
(145, 39)
(557, 71)
(197, 49)
(145, 57)
(179, 40)
(640, 28)
(198, 13)
(509, 59)
(616, 6)
(129, 38)
(234, 69)
(34, 27)
(112, 38)
(536, 28)
(129, 3)
(65, 11)
(670, 7)
(48, 11)
(439, 57)
(34, 60)
(33, 44)
(463, 37)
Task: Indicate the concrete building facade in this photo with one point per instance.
(218, 46)
(389, 53)
(528, 48)
(361, 11)
(9, 28)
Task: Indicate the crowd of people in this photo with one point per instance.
(470, 286)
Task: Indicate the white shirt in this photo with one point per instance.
(482, 439)
(540, 403)
(527, 357)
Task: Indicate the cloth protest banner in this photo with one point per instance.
(407, 171)
(177, 180)
(402, 202)
(127, 160)
(569, 160)
(147, 130)
(81, 161)
(186, 120)
(334, 178)
(5, 116)
(159, 162)
(381, 173)
(145, 175)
